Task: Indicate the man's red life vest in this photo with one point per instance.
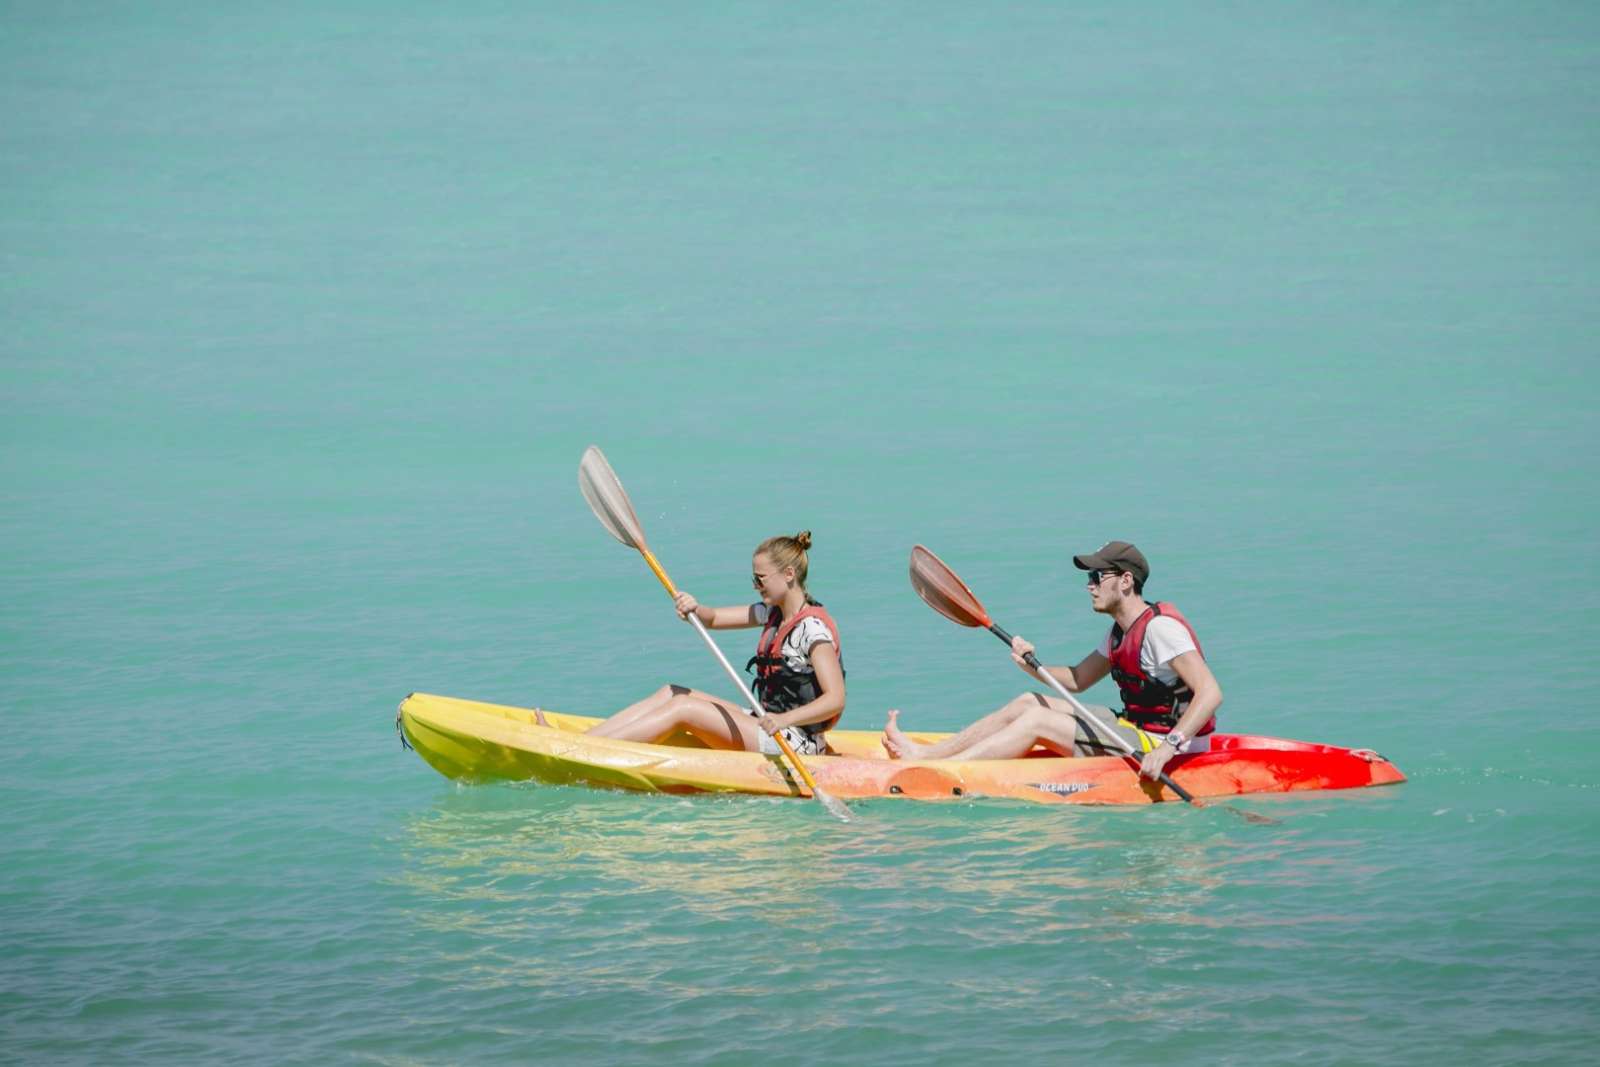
(1147, 703)
(778, 686)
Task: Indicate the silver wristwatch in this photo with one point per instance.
(1176, 738)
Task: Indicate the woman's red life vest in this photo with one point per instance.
(778, 686)
(1147, 703)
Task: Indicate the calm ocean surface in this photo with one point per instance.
(310, 310)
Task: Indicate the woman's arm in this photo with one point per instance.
(829, 703)
(737, 617)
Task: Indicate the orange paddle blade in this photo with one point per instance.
(939, 587)
(608, 500)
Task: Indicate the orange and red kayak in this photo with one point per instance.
(471, 741)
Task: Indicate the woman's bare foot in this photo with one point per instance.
(895, 742)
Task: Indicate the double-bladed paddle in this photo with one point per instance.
(944, 592)
(611, 506)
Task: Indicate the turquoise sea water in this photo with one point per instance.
(310, 311)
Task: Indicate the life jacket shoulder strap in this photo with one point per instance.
(770, 646)
(1125, 647)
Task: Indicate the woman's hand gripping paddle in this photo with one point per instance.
(947, 594)
(611, 506)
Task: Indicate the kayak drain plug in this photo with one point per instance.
(955, 791)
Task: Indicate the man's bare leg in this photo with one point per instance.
(899, 746)
(1044, 724)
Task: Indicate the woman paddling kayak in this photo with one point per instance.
(799, 674)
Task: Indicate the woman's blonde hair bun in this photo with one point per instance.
(788, 552)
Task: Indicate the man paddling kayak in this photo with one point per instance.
(1169, 695)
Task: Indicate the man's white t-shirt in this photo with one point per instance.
(796, 650)
(1165, 639)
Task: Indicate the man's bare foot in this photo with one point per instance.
(538, 717)
(895, 742)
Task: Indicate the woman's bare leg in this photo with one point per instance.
(715, 722)
(622, 724)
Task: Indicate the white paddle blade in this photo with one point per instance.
(833, 804)
(607, 500)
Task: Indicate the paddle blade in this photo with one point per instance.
(942, 591)
(832, 804)
(607, 499)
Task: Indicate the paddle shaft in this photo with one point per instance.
(1077, 706)
(737, 678)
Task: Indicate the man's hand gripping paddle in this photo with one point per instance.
(611, 506)
(947, 594)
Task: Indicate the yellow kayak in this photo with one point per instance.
(470, 741)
